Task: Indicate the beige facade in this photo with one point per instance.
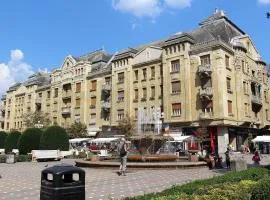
(211, 81)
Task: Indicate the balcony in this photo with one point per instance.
(2, 119)
(257, 120)
(2, 108)
(255, 79)
(206, 93)
(38, 101)
(106, 105)
(205, 70)
(206, 115)
(66, 110)
(106, 87)
(256, 100)
(66, 94)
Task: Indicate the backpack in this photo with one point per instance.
(123, 152)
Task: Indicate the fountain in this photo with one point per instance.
(148, 140)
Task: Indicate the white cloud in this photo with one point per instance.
(175, 4)
(14, 71)
(139, 8)
(148, 8)
(264, 1)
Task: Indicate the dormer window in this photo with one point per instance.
(67, 64)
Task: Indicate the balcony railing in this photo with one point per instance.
(107, 87)
(2, 119)
(256, 100)
(66, 110)
(2, 108)
(206, 93)
(106, 105)
(205, 70)
(66, 94)
(206, 115)
(38, 100)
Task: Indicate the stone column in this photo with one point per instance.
(223, 139)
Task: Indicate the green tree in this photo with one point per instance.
(3, 136)
(77, 130)
(12, 141)
(29, 140)
(54, 137)
(31, 119)
(126, 126)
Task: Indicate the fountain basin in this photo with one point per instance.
(151, 158)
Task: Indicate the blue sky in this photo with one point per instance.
(37, 35)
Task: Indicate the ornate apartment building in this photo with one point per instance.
(210, 82)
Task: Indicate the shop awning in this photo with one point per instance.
(104, 140)
(92, 131)
(180, 138)
(263, 138)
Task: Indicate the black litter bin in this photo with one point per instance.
(62, 182)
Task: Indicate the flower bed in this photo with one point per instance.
(151, 158)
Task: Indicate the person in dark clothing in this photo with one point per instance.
(228, 159)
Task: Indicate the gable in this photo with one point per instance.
(251, 48)
(68, 63)
(148, 54)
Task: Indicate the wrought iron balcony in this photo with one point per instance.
(256, 100)
(206, 93)
(106, 105)
(2, 119)
(205, 70)
(206, 115)
(38, 101)
(107, 87)
(66, 110)
(66, 94)
(2, 108)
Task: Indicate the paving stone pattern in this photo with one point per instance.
(22, 180)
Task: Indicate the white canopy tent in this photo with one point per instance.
(262, 138)
(181, 138)
(78, 140)
(104, 140)
(92, 131)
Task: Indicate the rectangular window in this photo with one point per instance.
(93, 85)
(266, 114)
(121, 77)
(175, 66)
(228, 80)
(205, 60)
(48, 94)
(56, 92)
(229, 107)
(266, 96)
(246, 109)
(29, 97)
(176, 109)
(136, 75)
(144, 93)
(93, 101)
(78, 102)
(120, 114)
(78, 87)
(136, 113)
(144, 74)
(153, 92)
(136, 94)
(93, 116)
(121, 95)
(227, 61)
(161, 70)
(161, 91)
(176, 87)
(7, 125)
(107, 80)
(152, 72)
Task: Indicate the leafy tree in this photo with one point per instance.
(31, 119)
(12, 141)
(77, 130)
(3, 136)
(29, 140)
(54, 137)
(126, 126)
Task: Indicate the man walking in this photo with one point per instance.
(122, 149)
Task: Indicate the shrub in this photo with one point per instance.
(29, 140)
(261, 190)
(23, 158)
(12, 141)
(54, 137)
(3, 136)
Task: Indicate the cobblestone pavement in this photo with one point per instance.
(22, 180)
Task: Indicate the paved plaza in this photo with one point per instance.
(22, 180)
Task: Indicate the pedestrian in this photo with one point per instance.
(256, 158)
(228, 159)
(122, 149)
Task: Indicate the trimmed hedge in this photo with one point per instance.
(261, 191)
(54, 137)
(186, 190)
(29, 140)
(3, 136)
(12, 141)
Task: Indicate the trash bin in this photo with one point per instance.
(10, 158)
(62, 182)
